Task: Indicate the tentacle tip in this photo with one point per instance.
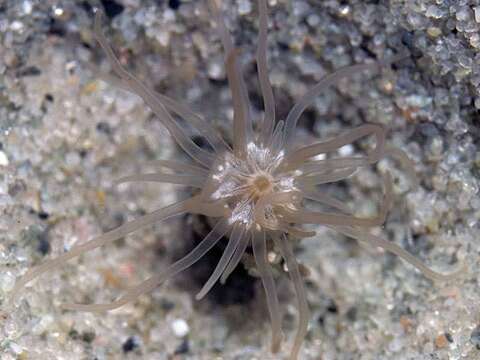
(68, 307)
(72, 307)
(80, 307)
(97, 22)
(98, 15)
(98, 12)
(462, 269)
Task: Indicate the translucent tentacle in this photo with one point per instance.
(297, 232)
(178, 166)
(242, 128)
(326, 177)
(276, 142)
(148, 285)
(236, 258)
(121, 231)
(389, 246)
(187, 180)
(311, 217)
(196, 205)
(225, 37)
(203, 127)
(194, 151)
(306, 152)
(296, 277)
(267, 92)
(333, 164)
(200, 125)
(308, 98)
(260, 254)
(323, 198)
(235, 238)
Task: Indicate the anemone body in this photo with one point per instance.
(256, 189)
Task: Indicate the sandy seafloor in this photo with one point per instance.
(65, 136)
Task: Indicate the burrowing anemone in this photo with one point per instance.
(256, 190)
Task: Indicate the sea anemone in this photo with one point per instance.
(256, 190)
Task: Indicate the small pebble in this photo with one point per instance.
(441, 341)
(180, 328)
(3, 159)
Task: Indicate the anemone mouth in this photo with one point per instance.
(261, 184)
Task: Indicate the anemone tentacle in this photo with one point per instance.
(268, 123)
(242, 121)
(303, 310)
(115, 234)
(260, 253)
(238, 233)
(148, 96)
(150, 284)
(188, 180)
